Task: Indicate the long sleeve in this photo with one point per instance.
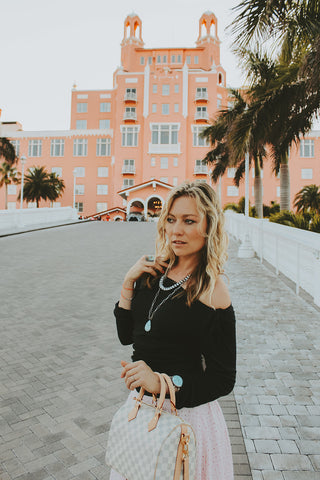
(124, 322)
(218, 345)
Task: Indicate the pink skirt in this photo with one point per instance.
(214, 456)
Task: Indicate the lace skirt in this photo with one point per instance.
(214, 457)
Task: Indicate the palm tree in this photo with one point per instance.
(37, 185)
(294, 98)
(57, 186)
(308, 199)
(7, 151)
(232, 137)
(8, 175)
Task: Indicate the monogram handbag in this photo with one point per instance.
(147, 443)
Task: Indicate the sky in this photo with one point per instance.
(46, 47)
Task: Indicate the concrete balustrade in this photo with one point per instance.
(11, 220)
(293, 252)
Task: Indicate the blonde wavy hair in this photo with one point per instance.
(214, 253)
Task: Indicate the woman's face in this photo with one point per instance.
(184, 227)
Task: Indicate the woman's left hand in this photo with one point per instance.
(138, 374)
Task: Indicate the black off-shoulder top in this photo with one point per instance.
(197, 342)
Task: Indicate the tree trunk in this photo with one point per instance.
(284, 183)
(258, 203)
(6, 198)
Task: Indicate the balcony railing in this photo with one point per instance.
(201, 96)
(201, 170)
(129, 169)
(130, 96)
(201, 116)
(129, 116)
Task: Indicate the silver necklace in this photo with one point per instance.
(152, 311)
(176, 284)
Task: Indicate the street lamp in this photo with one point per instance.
(245, 249)
(23, 160)
(74, 187)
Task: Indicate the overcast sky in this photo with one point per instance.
(46, 46)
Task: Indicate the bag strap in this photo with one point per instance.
(172, 393)
(133, 413)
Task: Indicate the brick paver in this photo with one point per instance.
(59, 378)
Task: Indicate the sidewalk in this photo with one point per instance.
(59, 377)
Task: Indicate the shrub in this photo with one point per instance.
(285, 217)
(315, 223)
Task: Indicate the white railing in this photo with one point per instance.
(291, 251)
(200, 169)
(130, 116)
(201, 116)
(16, 219)
(201, 96)
(128, 169)
(130, 96)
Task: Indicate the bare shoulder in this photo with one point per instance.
(220, 298)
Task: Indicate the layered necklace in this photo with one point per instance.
(172, 288)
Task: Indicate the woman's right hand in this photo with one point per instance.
(145, 265)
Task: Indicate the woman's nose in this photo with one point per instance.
(178, 228)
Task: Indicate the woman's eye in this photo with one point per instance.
(190, 222)
(170, 220)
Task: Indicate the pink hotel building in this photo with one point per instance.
(129, 145)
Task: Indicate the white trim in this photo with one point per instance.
(146, 91)
(185, 90)
(139, 187)
(59, 133)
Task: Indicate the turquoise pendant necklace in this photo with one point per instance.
(153, 310)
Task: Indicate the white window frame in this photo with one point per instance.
(175, 181)
(128, 182)
(196, 60)
(57, 171)
(173, 59)
(232, 191)
(105, 107)
(81, 124)
(35, 148)
(141, 60)
(129, 136)
(164, 163)
(307, 148)
(12, 189)
(197, 141)
(80, 172)
(101, 206)
(79, 206)
(16, 144)
(164, 179)
(161, 131)
(154, 88)
(79, 190)
(188, 59)
(103, 147)
(176, 108)
(175, 161)
(165, 89)
(102, 189)
(154, 108)
(179, 59)
(307, 173)
(57, 147)
(82, 107)
(231, 171)
(153, 161)
(80, 147)
(107, 121)
(165, 109)
(103, 172)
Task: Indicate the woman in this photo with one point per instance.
(176, 311)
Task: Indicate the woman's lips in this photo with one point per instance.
(178, 242)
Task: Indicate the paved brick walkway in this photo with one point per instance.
(59, 377)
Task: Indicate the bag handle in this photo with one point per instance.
(133, 413)
(172, 393)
